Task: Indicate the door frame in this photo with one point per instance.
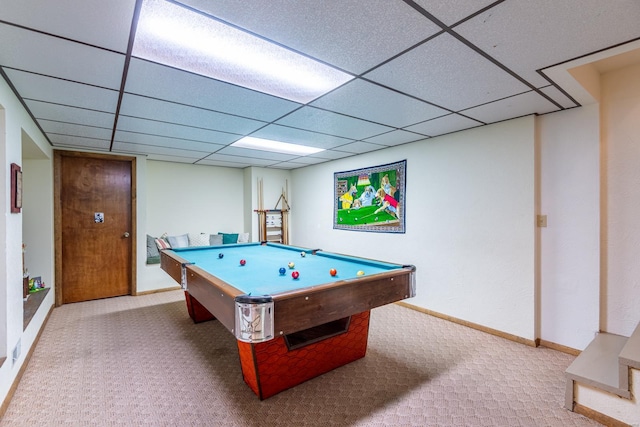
(57, 215)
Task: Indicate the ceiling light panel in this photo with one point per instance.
(173, 35)
(353, 35)
(275, 146)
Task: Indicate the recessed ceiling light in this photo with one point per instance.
(275, 146)
(173, 35)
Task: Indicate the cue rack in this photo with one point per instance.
(273, 223)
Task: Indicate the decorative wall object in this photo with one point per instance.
(371, 199)
(16, 188)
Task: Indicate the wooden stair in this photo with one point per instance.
(606, 365)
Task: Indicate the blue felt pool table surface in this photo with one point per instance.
(260, 275)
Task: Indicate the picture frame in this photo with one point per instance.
(371, 199)
(16, 188)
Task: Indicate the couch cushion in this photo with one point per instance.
(181, 241)
(229, 238)
(198, 239)
(162, 243)
(243, 237)
(215, 239)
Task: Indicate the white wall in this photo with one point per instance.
(177, 198)
(14, 122)
(570, 244)
(469, 220)
(620, 118)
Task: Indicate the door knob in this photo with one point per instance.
(126, 234)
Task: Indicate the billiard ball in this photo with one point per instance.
(333, 272)
(295, 274)
(220, 255)
(291, 265)
(282, 271)
(243, 262)
(360, 273)
(303, 254)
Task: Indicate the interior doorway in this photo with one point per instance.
(94, 226)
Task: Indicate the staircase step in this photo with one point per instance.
(598, 365)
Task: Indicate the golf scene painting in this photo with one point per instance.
(371, 199)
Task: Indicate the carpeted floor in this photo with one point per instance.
(141, 361)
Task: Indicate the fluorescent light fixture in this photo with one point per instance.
(275, 146)
(172, 35)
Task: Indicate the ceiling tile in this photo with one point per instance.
(375, 103)
(227, 163)
(100, 23)
(255, 161)
(77, 142)
(350, 34)
(63, 113)
(51, 56)
(331, 123)
(562, 99)
(395, 137)
(509, 108)
(300, 137)
(258, 154)
(158, 81)
(330, 155)
(162, 141)
(452, 11)
(537, 34)
(360, 147)
(48, 89)
(152, 127)
(70, 129)
(447, 73)
(443, 125)
(132, 148)
(165, 111)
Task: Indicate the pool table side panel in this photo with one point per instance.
(295, 311)
(216, 296)
(172, 264)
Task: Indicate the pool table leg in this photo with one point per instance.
(197, 312)
(270, 367)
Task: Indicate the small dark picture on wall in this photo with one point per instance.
(16, 188)
(98, 217)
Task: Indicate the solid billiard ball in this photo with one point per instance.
(295, 274)
(220, 255)
(333, 272)
(303, 254)
(360, 273)
(243, 262)
(291, 265)
(282, 271)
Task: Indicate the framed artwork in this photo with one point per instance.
(16, 188)
(371, 199)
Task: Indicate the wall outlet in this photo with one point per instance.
(541, 220)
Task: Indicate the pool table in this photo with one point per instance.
(289, 327)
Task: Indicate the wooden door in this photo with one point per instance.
(94, 226)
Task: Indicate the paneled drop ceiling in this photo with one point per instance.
(417, 69)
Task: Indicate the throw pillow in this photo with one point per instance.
(243, 238)
(199, 239)
(215, 239)
(229, 238)
(152, 249)
(181, 241)
(162, 244)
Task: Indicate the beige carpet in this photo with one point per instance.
(141, 361)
